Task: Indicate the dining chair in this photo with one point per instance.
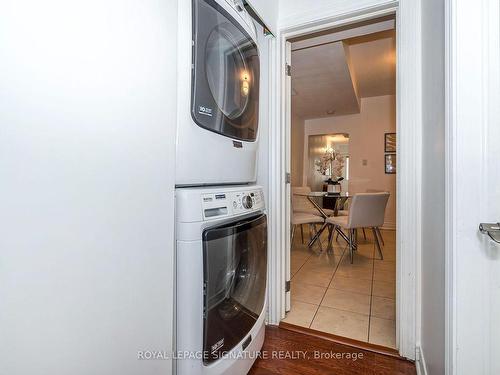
(367, 210)
(346, 213)
(301, 203)
(301, 218)
(377, 229)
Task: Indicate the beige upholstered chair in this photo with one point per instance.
(377, 229)
(367, 210)
(301, 218)
(300, 203)
(303, 212)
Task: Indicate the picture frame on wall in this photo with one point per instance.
(390, 163)
(390, 142)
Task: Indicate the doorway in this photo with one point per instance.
(343, 143)
(408, 177)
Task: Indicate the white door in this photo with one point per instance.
(473, 275)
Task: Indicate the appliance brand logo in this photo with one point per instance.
(205, 111)
(219, 344)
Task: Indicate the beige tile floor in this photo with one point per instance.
(351, 300)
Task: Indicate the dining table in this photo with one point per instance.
(315, 197)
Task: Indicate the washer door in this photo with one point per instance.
(225, 82)
(235, 266)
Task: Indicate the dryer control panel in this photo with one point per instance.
(220, 204)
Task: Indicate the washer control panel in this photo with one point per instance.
(221, 204)
(247, 201)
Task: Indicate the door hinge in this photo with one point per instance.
(288, 70)
(288, 178)
(287, 286)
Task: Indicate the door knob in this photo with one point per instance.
(492, 230)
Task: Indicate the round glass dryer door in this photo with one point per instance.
(225, 84)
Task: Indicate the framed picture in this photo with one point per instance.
(390, 142)
(390, 163)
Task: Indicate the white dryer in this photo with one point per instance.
(218, 94)
(221, 266)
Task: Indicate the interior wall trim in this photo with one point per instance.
(420, 362)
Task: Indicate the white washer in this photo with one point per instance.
(218, 94)
(221, 267)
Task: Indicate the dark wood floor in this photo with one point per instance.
(306, 350)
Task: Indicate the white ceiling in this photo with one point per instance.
(374, 63)
(334, 76)
(321, 81)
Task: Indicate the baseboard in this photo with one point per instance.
(420, 362)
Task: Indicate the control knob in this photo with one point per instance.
(247, 201)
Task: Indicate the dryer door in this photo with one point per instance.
(235, 266)
(225, 81)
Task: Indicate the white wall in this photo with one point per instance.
(297, 150)
(433, 188)
(294, 12)
(87, 110)
(366, 142)
(268, 12)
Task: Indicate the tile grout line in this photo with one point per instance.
(343, 255)
(371, 294)
(336, 268)
(344, 310)
(309, 326)
(371, 302)
(326, 290)
(296, 272)
(303, 264)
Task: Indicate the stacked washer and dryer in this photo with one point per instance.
(221, 224)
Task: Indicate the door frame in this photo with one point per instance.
(408, 108)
